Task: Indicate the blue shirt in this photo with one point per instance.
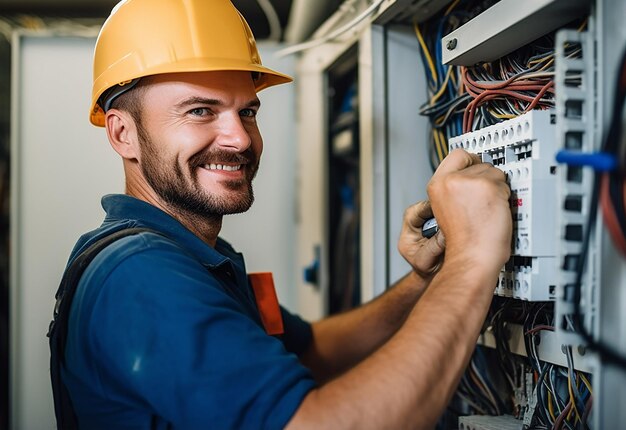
(165, 333)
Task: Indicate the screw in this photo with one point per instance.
(451, 44)
(582, 350)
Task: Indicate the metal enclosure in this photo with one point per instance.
(395, 160)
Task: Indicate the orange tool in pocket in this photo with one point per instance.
(267, 302)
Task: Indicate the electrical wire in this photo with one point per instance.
(446, 99)
(552, 409)
(333, 35)
(427, 55)
(514, 84)
(276, 29)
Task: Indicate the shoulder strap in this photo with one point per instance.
(57, 332)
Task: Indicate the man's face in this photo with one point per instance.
(200, 145)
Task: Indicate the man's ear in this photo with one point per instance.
(122, 133)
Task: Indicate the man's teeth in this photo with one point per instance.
(222, 167)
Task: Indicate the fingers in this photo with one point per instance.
(491, 173)
(465, 195)
(436, 244)
(456, 160)
(417, 214)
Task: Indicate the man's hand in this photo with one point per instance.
(470, 200)
(423, 254)
(421, 363)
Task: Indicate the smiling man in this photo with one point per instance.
(167, 330)
(195, 149)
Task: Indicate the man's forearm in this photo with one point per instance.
(408, 381)
(343, 340)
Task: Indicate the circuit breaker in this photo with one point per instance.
(524, 148)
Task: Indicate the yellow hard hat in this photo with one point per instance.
(150, 37)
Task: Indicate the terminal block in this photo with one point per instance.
(524, 149)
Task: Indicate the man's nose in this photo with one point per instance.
(233, 133)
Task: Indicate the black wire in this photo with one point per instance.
(540, 400)
(611, 143)
(612, 146)
(605, 351)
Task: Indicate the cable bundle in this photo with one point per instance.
(506, 89)
(514, 84)
(446, 97)
(564, 396)
(464, 99)
(477, 388)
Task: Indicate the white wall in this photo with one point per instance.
(266, 234)
(61, 167)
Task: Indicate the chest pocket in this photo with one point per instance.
(267, 302)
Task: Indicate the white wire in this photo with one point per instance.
(276, 29)
(341, 30)
(6, 29)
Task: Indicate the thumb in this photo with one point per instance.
(456, 160)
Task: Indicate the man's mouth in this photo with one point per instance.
(224, 167)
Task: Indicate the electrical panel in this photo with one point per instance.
(524, 148)
(516, 84)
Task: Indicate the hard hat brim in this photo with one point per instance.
(267, 78)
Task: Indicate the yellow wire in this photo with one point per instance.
(540, 60)
(431, 64)
(436, 142)
(452, 6)
(586, 382)
(582, 26)
(548, 64)
(443, 87)
(437, 146)
(444, 144)
(572, 399)
(550, 407)
(569, 414)
(501, 115)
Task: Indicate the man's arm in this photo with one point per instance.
(343, 340)
(408, 381)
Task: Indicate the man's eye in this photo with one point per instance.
(248, 113)
(199, 111)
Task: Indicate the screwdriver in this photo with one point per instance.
(430, 228)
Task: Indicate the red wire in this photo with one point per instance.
(468, 115)
(539, 328)
(534, 103)
(561, 418)
(610, 218)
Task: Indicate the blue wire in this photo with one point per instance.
(598, 161)
(429, 76)
(439, 35)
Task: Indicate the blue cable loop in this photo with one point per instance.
(598, 161)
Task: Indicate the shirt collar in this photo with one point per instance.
(121, 207)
